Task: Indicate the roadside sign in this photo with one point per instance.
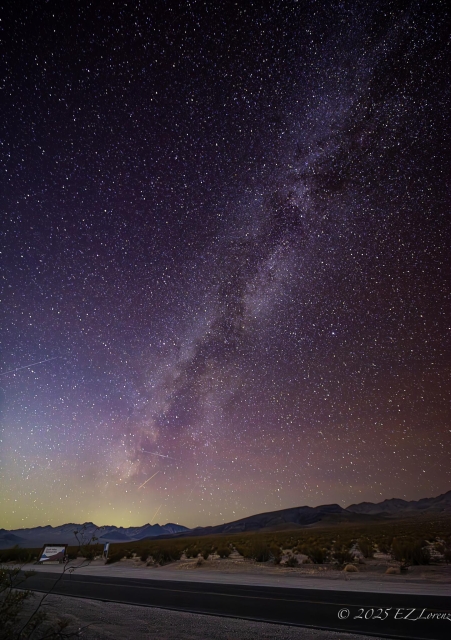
(53, 553)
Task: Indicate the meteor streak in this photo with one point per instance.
(157, 454)
(27, 366)
(148, 480)
(154, 515)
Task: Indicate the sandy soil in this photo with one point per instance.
(111, 621)
(369, 571)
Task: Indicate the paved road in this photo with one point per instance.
(369, 613)
(333, 581)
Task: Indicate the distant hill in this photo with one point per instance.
(10, 538)
(299, 517)
(396, 506)
(64, 534)
(296, 515)
(284, 519)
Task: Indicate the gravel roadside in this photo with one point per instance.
(112, 621)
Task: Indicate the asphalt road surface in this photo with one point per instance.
(393, 615)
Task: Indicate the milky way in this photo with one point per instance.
(225, 258)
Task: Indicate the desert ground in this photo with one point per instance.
(112, 621)
(380, 572)
(370, 569)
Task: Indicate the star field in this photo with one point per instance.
(225, 258)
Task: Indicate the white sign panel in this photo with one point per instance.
(53, 553)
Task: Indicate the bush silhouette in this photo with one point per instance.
(276, 553)
(409, 551)
(342, 555)
(366, 547)
(116, 556)
(241, 549)
(165, 555)
(259, 551)
(292, 561)
(317, 555)
(384, 545)
(16, 554)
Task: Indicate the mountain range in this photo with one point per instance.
(64, 534)
(329, 513)
(440, 504)
(272, 520)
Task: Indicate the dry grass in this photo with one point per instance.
(350, 568)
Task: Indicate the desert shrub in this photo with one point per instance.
(366, 547)
(344, 543)
(258, 551)
(165, 554)
(89, 554)
(12, 601)
(444, 548)
(116, 556)
(145, 553)
(350, 568)
(291, 561)
(16, 554)
(87, 551)
(275, 553)
(223, 552)
(205, 553)
(384, 546)
(15, 623)
(241, 549)
(408, 551)
(342, 555)
(317, 555)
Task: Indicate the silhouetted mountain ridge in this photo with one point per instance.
(296, 515)
(283, 518)
(397, 506)
(330, 513)
(65, 534)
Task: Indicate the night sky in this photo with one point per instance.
(226, 244)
